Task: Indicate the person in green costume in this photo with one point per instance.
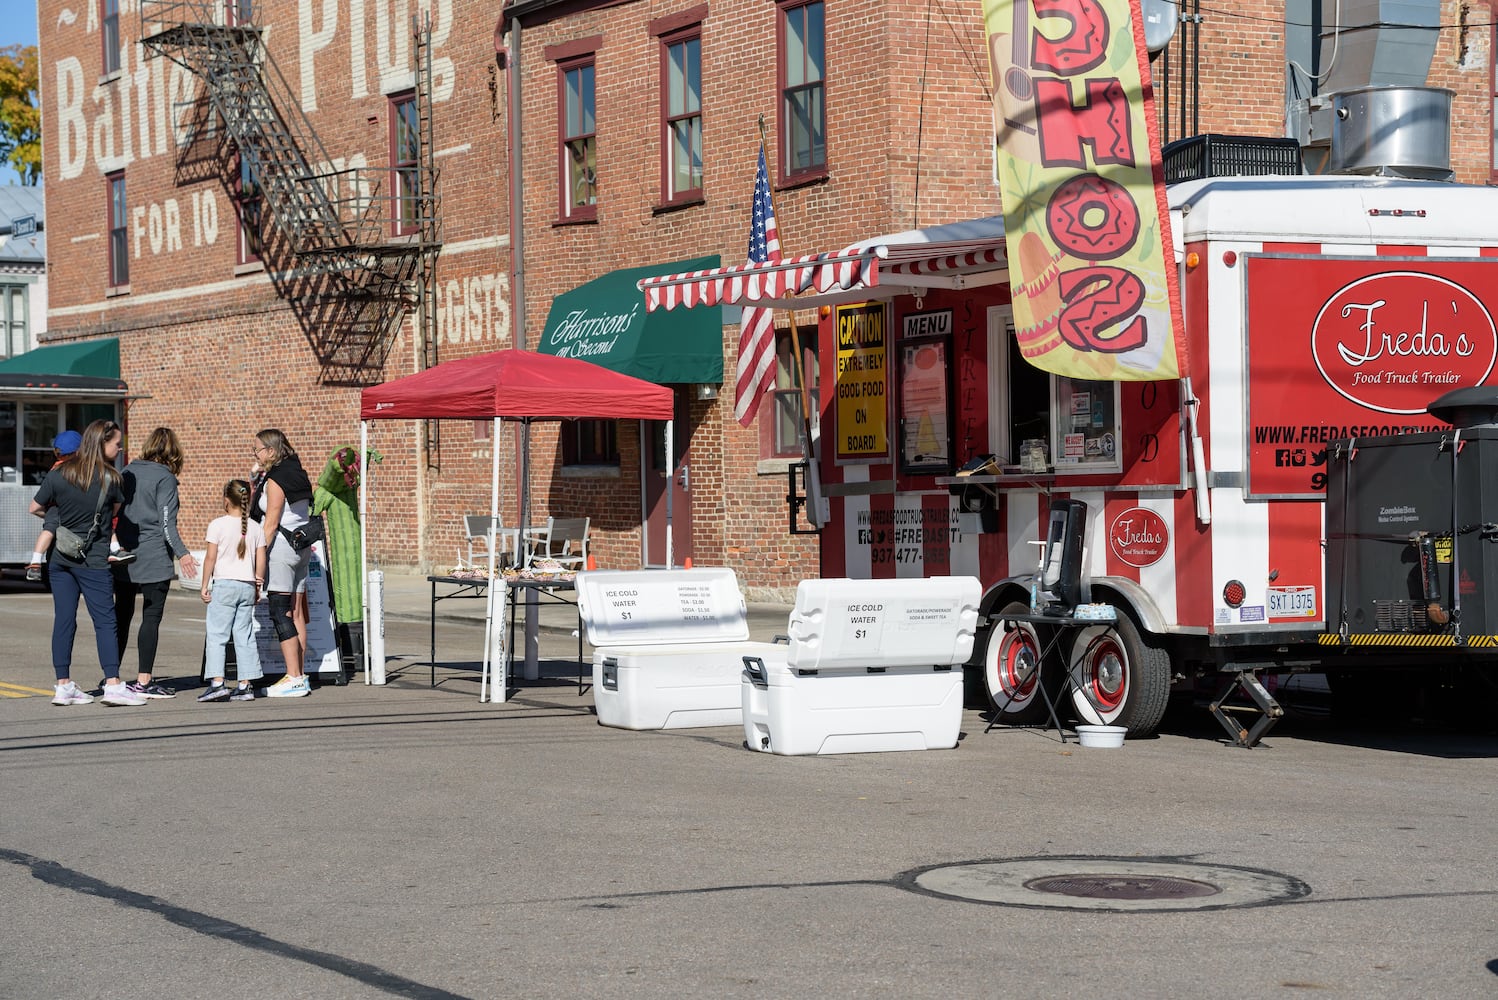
(336, 497)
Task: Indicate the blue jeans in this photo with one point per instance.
(96, 587)
(231, 612)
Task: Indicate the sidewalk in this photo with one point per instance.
(408, 597)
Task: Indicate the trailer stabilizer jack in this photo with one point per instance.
(1264, 705)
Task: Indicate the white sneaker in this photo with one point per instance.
(119, 694)
(290, 687)
(70, 694)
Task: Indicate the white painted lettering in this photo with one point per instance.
(137, 228)
(313, 42)
(173, 223)
(104, 128)
(72, 129)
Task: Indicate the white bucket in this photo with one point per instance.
(1101, 736)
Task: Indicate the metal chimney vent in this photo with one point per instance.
(1392, 132)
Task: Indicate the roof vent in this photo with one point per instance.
(1392, 132)
(1474, 406)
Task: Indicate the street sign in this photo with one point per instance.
(23, 226)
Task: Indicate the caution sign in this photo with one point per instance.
(862, 383)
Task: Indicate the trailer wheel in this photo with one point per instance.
(1118, 679)
(1009, 676)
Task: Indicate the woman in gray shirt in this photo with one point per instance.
(148, 526)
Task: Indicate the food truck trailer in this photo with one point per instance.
(41, 394)
(1322, 315)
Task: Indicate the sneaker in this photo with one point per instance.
(290, 687)
(34, 572)
(120, 694)
(70, 694)
(246, 693)
(152, 690)
(214, 693)
(120, 557)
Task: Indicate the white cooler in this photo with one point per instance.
(872, 665)
(670, 646)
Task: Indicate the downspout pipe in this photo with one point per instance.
(507, 56)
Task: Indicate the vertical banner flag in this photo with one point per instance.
(756, 371)
(1087, 227)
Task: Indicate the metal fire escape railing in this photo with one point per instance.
(353, 281)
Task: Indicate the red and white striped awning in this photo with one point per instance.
(903, 264)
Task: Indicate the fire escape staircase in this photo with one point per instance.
(352, 280)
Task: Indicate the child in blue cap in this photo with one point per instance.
(62, 446)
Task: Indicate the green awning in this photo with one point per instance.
(604, 321)
(92, 358)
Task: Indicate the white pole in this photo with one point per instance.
(670, 464)
(363, 543)
(374, 627)
(494, 680)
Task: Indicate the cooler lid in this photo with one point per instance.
(662, 606)
(906, 622)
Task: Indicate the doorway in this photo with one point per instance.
(655, 466)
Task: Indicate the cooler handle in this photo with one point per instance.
(754, 669)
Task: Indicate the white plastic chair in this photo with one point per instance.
(476, 531)
(563, 540)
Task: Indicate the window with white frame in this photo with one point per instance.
(15, 337)
(405, 154)
(681, 115)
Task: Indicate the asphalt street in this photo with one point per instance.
(407, 840)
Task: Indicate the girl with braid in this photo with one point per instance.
(233, 577)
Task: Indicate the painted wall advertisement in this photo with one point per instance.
(862, 383)
(1355, 347)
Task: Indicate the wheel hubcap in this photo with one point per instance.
(1109, 675)
(1018, 672)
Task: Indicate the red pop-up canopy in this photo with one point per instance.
(516, 385)
(509, 385)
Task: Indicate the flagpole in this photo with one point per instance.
(809, 449)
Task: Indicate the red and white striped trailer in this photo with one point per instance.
(1316, 308)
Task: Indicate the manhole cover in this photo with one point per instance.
(1106, 884)
(1122, 886)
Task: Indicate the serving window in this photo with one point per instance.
(1039, 421)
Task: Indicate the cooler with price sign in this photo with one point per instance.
(669, 646)
(872, 665)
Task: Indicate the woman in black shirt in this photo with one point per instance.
(85, 489)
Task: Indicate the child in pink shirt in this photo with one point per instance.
(233, 576)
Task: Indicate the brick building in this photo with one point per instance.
(634, 129)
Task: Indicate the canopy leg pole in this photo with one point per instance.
(495, 673)
(670, 464)
(363, 539)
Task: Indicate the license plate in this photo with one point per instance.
(1292, 602)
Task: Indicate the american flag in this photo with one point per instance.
(756, 371)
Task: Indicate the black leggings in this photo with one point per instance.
(152, 608)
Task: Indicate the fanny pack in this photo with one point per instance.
(302, 538)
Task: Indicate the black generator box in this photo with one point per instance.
(1411, 526)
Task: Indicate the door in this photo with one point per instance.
(654, 487)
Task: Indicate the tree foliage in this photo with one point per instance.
(20, 112)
